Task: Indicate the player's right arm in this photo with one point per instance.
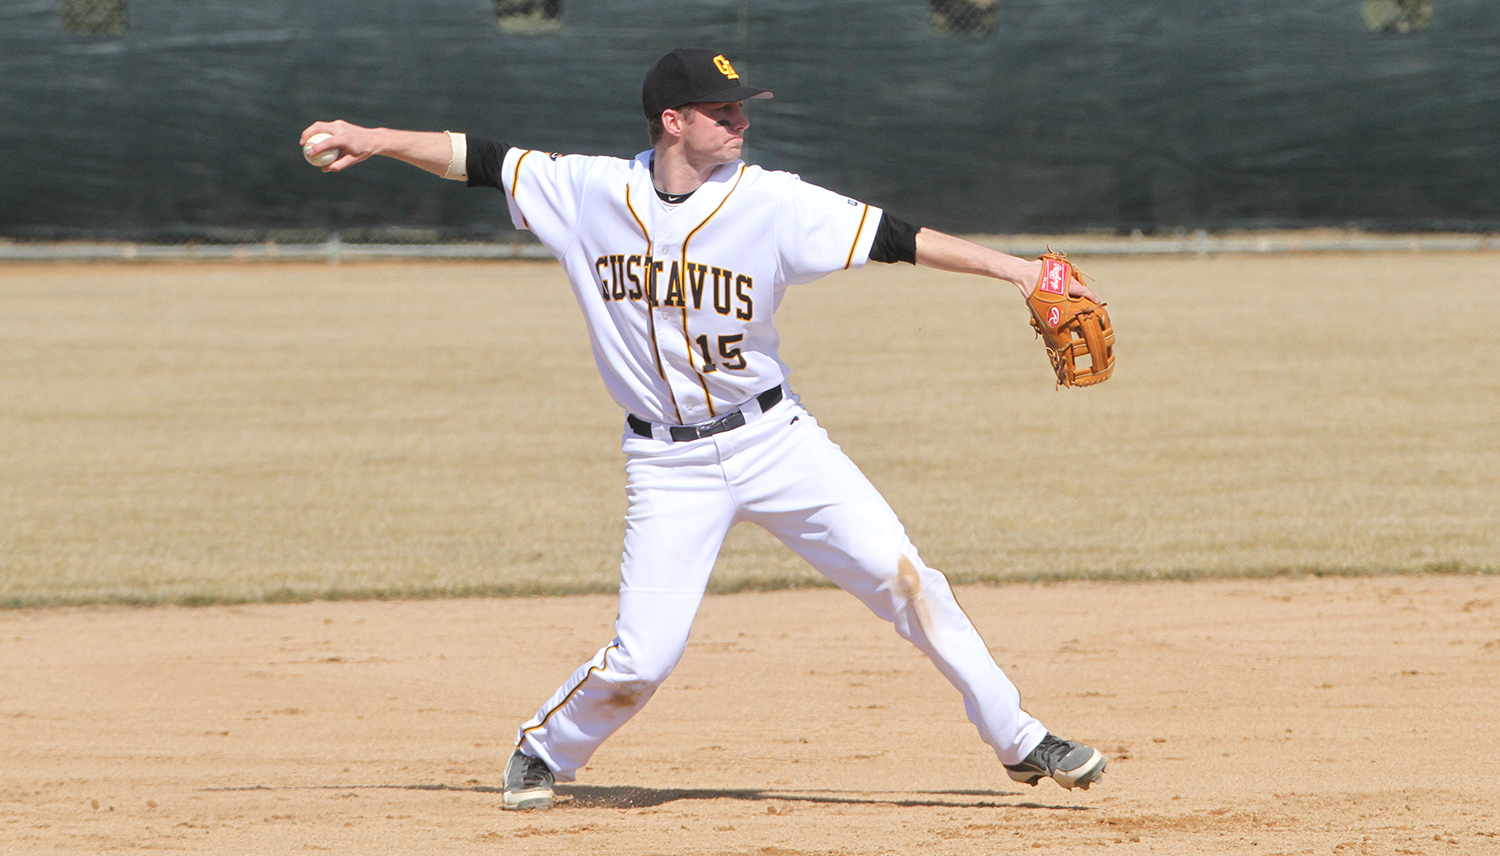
(432, 151)
(555, 184)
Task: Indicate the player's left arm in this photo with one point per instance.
(942, 251)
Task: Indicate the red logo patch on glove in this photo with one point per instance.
(1054, 277)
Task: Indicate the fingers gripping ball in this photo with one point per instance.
(323, 158)
(1076, 331)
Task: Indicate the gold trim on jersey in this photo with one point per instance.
(687, 337)
(863, 216)
(650, 302)
(515, 181)
(603, 662)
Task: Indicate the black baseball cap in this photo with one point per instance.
(692, 76)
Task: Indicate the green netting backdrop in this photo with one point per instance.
(1047, 115)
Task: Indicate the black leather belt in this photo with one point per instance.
(683, 433)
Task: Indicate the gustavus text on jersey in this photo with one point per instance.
(689, 286)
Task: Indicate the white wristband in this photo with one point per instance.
(458, 158)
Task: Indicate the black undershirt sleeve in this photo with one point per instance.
(895, 240)
(484, 162)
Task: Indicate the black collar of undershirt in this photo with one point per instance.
(669, 198)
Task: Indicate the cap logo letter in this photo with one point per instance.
(723, 66)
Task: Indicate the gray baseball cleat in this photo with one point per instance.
(1072, 765)
(528, 783)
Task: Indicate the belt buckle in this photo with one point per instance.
(727, 422)
(684, 433)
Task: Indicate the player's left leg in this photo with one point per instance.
(809, 495)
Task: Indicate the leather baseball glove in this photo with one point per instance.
(1073, 329)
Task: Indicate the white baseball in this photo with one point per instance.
(322, 158)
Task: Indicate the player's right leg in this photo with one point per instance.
(678, 515)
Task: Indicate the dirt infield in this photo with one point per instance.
(1291, 716)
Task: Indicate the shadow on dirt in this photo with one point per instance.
(629, 796)
(626, 796)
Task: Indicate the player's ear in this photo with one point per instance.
(673, 119)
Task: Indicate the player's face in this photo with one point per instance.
(716, 131)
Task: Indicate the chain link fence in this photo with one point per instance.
(1397, 16)
(963, 17)
(528, 17)
(95, 17)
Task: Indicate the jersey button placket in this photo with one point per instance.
(664, 257)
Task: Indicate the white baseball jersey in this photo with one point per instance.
(679, 299)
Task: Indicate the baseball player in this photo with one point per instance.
(678, 258)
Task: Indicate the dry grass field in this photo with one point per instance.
(221, 433)
(1256, 568)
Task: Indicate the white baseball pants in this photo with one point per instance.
(782, 472)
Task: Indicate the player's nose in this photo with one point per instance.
(738, 121)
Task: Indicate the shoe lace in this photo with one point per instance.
(1052, 750)
(534, 773)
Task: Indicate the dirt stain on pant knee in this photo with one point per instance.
(627, 697)
(909, 588)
